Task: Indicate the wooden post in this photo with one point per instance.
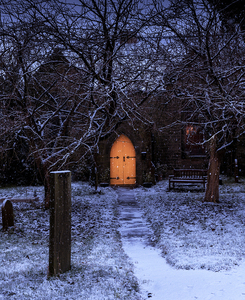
(60, 223)
(7, 214)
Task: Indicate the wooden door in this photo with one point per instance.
(122, 162)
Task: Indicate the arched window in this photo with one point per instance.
(193, 141)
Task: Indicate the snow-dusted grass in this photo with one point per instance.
(191, 235)
(196, 235)
(100, 268)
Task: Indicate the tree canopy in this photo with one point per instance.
(71, 73)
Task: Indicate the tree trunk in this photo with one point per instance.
(45, 178)
(212, 189)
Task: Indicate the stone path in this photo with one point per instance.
(158, 280)
(134, 228)
(136, 241)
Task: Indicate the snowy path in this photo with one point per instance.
(158, 280)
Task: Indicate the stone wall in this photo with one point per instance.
(158, 147)
(168, 136)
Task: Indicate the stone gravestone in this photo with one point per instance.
(7, 214)
(60, 223)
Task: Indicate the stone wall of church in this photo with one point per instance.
(159, 145)
(168, 136)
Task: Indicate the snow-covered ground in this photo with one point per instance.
(193, 239)
(193, 234)
(202, 244)
(100, 268)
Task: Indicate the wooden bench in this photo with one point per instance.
(188, 176)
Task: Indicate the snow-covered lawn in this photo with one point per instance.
(100, 268)
(196, 235)
(190, 235)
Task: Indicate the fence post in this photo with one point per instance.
(60, 223)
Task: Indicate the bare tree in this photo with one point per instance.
(37, 100)
(206, 73)
(70, 75)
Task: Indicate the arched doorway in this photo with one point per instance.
(122, 162)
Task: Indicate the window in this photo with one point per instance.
(193, 141)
